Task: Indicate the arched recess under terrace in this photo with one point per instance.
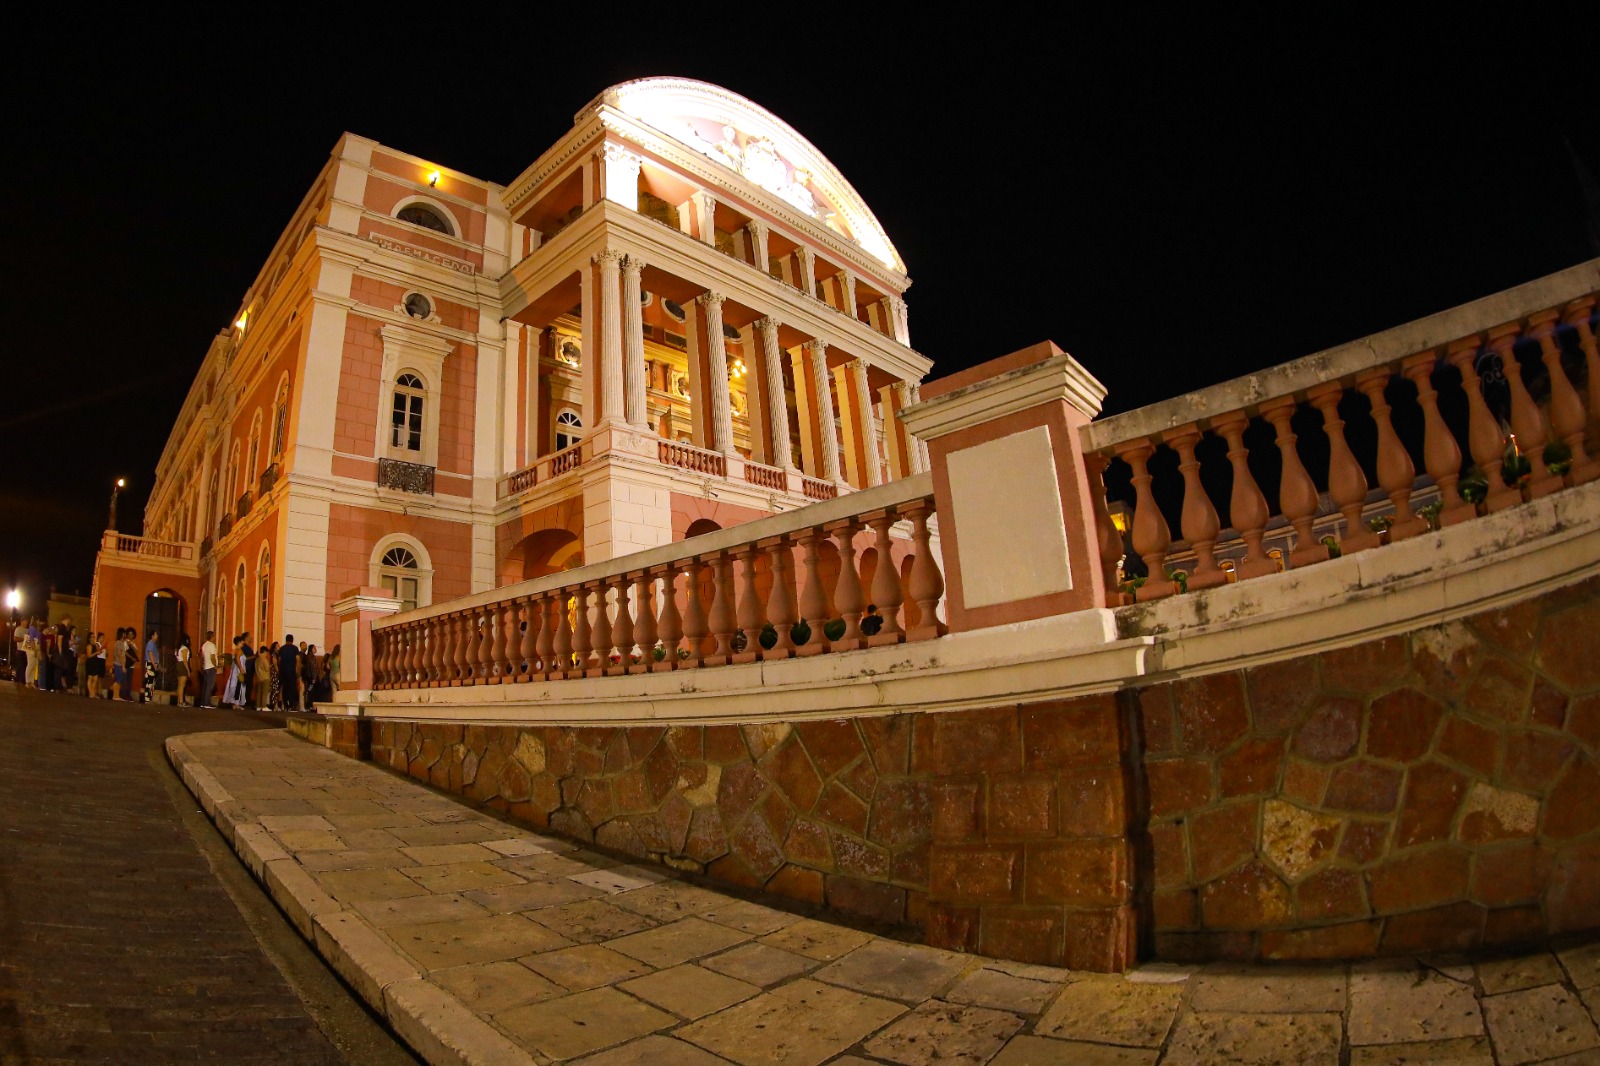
(547, 551)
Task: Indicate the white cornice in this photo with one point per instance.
(1058, 379)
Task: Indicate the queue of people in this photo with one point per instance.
(278, 677)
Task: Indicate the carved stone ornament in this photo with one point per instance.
(619, 156)
(609, 255)
(710, 299)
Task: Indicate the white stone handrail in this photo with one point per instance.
(632, 615)
(1467, 412)
(146, 546)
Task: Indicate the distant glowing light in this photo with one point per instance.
(244, 320)
(121, 484)
(433, 179)
(14, 599)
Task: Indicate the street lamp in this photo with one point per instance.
(118, 487)
(14, 603)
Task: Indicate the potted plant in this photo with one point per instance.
(1381, 524)
(1474, 487)
(1331, 542)
(1558, 459)
(1430, 514)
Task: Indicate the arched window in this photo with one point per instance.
(263, 593)
(241, 616)
(427, 217)
(568, 425)
(232, 487)
(406, 419)
(398, 572)
(253, 471)
(280, 421)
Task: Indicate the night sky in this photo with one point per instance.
(1173, 202)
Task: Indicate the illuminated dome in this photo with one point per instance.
(758, 146)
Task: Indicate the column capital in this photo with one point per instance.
(855, 365)
(815, 347)
(632, 264)
(767, 324)
(710, 300)
(618, 155)
(703, 196)
(755, 225)
(610, 255)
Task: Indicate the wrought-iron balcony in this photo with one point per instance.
(407, 477)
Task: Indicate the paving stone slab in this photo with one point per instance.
(436, 945)
(941, 1032)
(490, 987)
(988, 987)
(690, 991)
(1582, 964)
(1269, 989)
(1110, 1010)
(586, 966)
(1462, 1051)
(658, 1051)
(800, 1023)
(578, 1024)
(669, 945)
(1535, 1024)
(591, 921)
(817, 940)
(1202, 1037)
(535, 895)
(1038, 1051)
(1402, 1003)
(895, 971)
(759, 964)
(1518, 972)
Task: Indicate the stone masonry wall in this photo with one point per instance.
(1424, 792)
(999, 830)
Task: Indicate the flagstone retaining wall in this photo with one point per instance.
(1428, 791)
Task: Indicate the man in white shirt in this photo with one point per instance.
(208, 669)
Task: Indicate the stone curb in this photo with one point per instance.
(438, 1027)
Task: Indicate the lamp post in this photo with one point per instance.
(111, 523)
(14, 602)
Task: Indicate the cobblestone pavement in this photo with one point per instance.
(479, 939)
(118, 944)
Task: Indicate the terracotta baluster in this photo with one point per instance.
(723, 620)
(549, 629)
(848, 597)
(421, 654)
(1297, 493)
(466, 634)
(813, 599)
(444, 628)
(380, 645)
(600, 630)
(1199, 520)
(622, 626)
(695, 626)
(1567, 417)
(1151, 537)
(671, 620)
(389, 661)
(1347, 484)
(1484, 440)
(561, 663)
(582, 632)
(475, 642)
(1107, 536)
(886, 591)
(1577, 316)
(751, 612)
(1396, 474)
(1440, 454)
(1247, 507)
(532, 623)
(927, 583)
(644, 629)
(505, 641)
(780, 601)
(1527, 421)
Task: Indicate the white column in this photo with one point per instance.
(861, 402)
(610, 335)
(632, 343)
(899, 319)
(777, 406)
(758, 244)
(919, 447)
(717, 368)
(915, 458)
(808, 271)
(705, 213)
(817, 352)
(847, 292)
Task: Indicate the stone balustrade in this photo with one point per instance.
(1351, 449)
(805, 583)
(688, 457)
(147, 547)
(547, 467)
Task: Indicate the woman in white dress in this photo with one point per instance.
(233, 694)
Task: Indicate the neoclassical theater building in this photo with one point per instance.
(680, 317)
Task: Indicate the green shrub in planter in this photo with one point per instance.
(768, 638)
(833, 628)
(659, 654)
(800, 632)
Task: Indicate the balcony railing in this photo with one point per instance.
(768, 477)
(1448, 430)
(269, 478)
(547, 467)
(818, 490)
(148, 547)
(243, 507)
(224, 526)
(407, 477)
(688, 457)
(797, 584)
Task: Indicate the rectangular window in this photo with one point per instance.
(406, 422)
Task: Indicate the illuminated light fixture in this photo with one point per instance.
(433, 179)
(243, 321)
(1120, 520)
(14, 599)
(121, 483)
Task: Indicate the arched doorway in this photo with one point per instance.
(163, 615)
(549, 551)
